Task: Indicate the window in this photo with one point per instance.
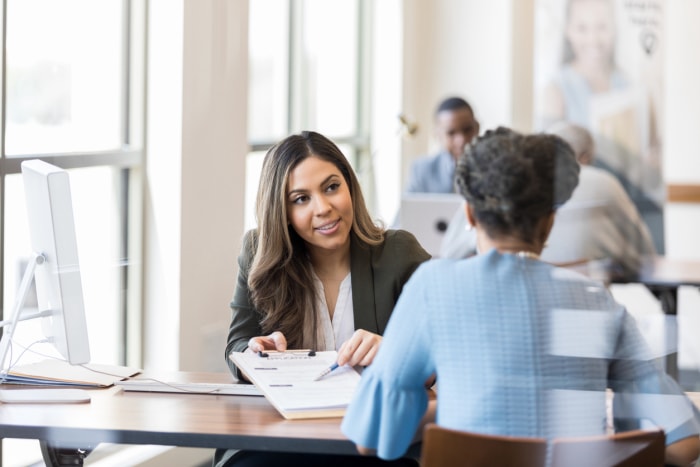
(64, 82)
(306, 73)
(73, 96)
(332, 67)
(305, 68)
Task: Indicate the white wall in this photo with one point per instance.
(681, 123)
(385, 106)
(162, 216)
(456, 47)
(196, 147)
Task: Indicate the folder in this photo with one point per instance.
(288, 380)
(53, 372)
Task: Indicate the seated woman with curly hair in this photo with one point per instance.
(520, 347)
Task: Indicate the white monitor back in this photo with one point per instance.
(427, 215)
(58, 281)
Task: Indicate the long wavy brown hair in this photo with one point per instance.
(281, 278)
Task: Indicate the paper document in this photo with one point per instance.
(61, 373)
(287, 379)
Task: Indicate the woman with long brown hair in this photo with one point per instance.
(317, 272)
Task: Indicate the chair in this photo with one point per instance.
(443, 447)
(639, 448)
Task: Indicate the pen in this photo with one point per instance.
(326, 371)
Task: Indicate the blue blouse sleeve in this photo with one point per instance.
(391, 397)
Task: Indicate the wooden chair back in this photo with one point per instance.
(443, 447)
(639, 448)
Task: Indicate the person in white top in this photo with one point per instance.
(599, 223)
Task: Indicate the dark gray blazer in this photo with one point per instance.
(378, 274)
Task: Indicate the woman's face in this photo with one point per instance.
(319, 206)
(591, 31)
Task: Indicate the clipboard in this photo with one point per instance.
(288, 381)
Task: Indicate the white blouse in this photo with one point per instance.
(342, 327)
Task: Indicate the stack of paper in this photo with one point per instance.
(287, 379)
(53, 372)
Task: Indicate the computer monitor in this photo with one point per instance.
(54, 265)
(427, 215)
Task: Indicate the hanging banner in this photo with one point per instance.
(598, 63)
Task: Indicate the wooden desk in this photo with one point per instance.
(670, 272)
(695, 397)
(191, 420)
(663, 276)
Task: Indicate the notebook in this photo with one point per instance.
(427, 215)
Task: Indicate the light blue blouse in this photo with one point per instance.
(519, 348)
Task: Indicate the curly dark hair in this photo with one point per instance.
(512, 180)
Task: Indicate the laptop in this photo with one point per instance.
(427, 215)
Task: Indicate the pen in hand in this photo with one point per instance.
(326, 371)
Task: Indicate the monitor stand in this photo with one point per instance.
(39, 395)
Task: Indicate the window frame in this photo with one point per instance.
(128, 159)
(296, 96)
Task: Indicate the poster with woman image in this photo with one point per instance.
(598, 63)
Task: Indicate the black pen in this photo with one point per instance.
(326, 371)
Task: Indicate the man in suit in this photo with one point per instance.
(455, 127)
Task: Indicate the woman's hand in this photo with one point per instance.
(274, 341)
(365, 451)
(360, 349)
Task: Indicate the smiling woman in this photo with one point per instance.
(320, 212)
(320, 208)
(312, 257)
(317, 273)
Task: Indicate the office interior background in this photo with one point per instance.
(163, 109)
